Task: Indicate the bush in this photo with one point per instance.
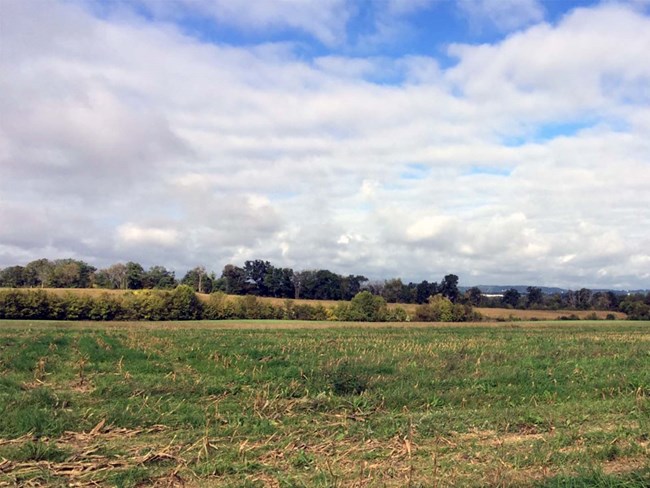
(364, 307)
(219, 307)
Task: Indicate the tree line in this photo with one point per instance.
(255, 277)
(261, 278)
(635, 305)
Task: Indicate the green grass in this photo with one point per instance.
(542, 404)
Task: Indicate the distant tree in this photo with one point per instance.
(115, 276)
(134, 276)
(637, 306)
(376, 287)
(235, 280)
(299, 280)
(474, 296)
(279, 282)
(511, 298)
(424, 290)
(256, 272)
(38, 273)
(393, 290)
(449, 287)
(199, 280)
(534, 296)
(12, 277)
(159, 277)
(71, 273)
(351, 285)
(323, 285)
(583, 299)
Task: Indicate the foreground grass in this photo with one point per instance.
(256, 404)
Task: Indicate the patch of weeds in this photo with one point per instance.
(348, 379)
(302, 459)
(598, 479)
(40, 451)
(130, 477)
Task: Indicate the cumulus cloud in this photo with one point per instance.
(127, 138)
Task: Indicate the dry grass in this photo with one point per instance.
(508, 313)
(172, 404)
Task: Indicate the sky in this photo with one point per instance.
(504, 141)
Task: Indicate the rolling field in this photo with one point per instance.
(277, 404)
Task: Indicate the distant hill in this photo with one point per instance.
(547, 290)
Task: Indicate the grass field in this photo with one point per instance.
(543, 404)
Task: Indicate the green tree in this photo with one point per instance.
(39, 273)
(199, 280)
(449, 287)
(134, 276)
(235, 280)
(474, 296)
(256, 272)
(12, 277)
(534, 296)
(511, 298)
(160, 278)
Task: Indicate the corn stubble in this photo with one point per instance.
(536, 404)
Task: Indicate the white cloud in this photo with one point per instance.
(505, 15)
(323, 19)
(134, 235)
(123, 139)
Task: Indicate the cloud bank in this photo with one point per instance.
(524, 160)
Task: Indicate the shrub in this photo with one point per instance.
(364, 307)
(219, 307)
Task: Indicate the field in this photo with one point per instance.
(543, 404)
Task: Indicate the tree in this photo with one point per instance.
(449, 287)
(511, 298)
(235, 280)
(534, 296)
(474, 296)
(299, 279)
(114, 276)
(256, 272)
(279, 282)
(323, 285)
(583, 299)
(425, 290)
(393, 290)
(351, 285)
(134, 276)
(38, 273)
(158, 277)
(71, 273)
(199, 280)
(12, 277)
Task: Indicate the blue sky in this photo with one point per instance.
(506, 141)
